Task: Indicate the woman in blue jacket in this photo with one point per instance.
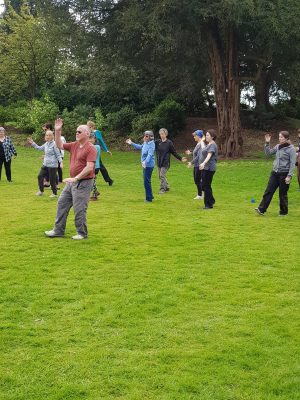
(147, 161)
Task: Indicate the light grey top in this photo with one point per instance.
(285, 158)
(212, 163)
(52, 154)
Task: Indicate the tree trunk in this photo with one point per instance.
(262, 88)
(224, 66)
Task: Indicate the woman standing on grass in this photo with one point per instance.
(147, 161)
(7, 150)
(208, 167)
(281, 174)
(198, 135)
(101, 143)
(50, 163)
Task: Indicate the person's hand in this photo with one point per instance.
(109, 152)
(144, 164)
(288, 180)
(61, 165)
(128, 141)
(70, 180)
(42, 157)
(188, 152)
(189, 164)
(201, 166)
(29, 140)
(267, 138)
(184, 159)
(58, 123)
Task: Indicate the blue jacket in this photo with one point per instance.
(147, 152)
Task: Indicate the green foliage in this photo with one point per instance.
(100, 119)
(121, 121)
(168, 114)
(30, 115)
(144, 122)
(260, 118)
(80, 115)
(288, 108)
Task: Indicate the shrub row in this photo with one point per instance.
(30, 116)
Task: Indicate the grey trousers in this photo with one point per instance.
(74, 195)
(162, 173)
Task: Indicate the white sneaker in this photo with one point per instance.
(198, 197)
(39, 193)
(53, 195)
(52, 234)
(78, 237)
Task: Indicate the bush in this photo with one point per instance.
(79, 116)
(170, 115)
(121, 120)
(142, 123)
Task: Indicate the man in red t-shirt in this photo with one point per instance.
(78, 187)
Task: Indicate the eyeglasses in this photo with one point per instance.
(78, 131)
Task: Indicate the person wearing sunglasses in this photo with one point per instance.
(147, 160)
(76, 192)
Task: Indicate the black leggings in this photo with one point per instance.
(104, 172)
(209, 199)
(198, 180)
(44, 172)
(7, 165)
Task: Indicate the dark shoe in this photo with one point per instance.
(282, 215)
(110, 183)
(207, 208)
(259, 211)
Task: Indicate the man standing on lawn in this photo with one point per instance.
(78, 187)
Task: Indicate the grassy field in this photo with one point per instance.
(163, 301)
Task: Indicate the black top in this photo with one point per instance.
(2, 154)
(163, 151)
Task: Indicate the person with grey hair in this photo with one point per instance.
(50, 163)
(147, 161)
(282, 172)
(164, 148)
(7, 150)
(78, 186)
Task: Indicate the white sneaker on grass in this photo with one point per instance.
(53, 195)
(78, 237)
(39, 193)
(52, 234)
(198, 197)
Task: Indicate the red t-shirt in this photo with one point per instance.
(79, 156)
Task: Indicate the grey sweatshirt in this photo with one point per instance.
(197, 152)
(52, 154)
(285, 158)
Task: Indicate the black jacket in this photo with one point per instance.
(163, 151)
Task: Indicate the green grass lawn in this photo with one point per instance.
(163, 301)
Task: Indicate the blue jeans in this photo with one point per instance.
(147, 183)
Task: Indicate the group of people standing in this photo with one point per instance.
(85, 163)
(205, 155)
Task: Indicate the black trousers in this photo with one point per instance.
(276, 180)
(198, 180)
(7, 166)
(47, 172)
(60, 174)
(104, 172)
(207, 177)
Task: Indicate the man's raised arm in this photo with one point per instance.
(58, 125)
